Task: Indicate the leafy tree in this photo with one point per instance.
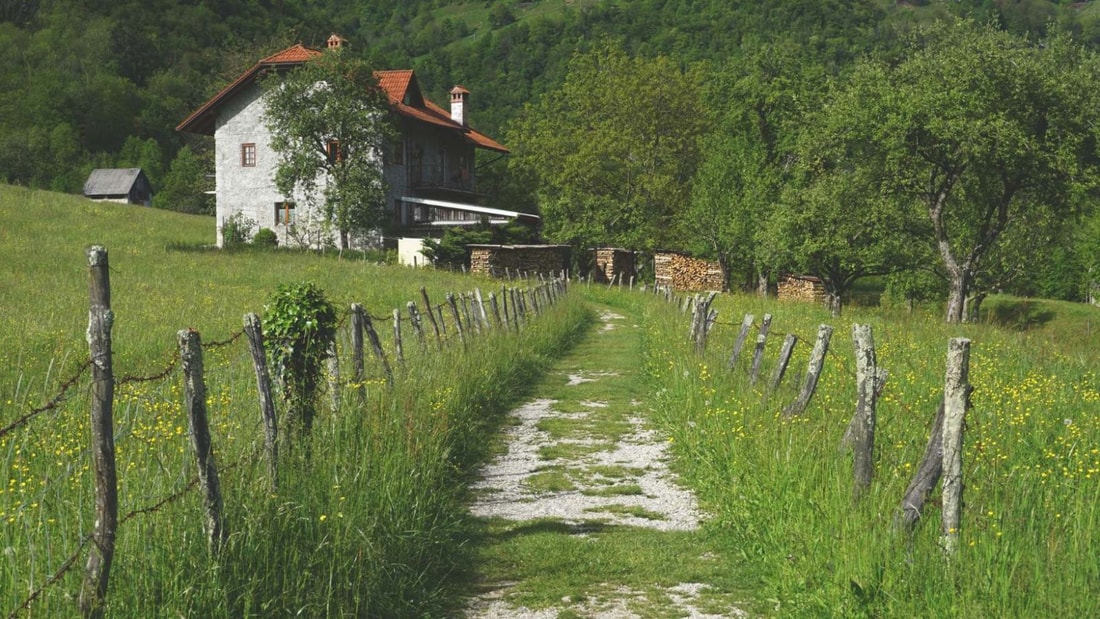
(764, 96)
(185, 185)
(978, 130)
(329, 122)
(613, 150)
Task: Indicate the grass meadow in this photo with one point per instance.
(367, 520)
(780, 491)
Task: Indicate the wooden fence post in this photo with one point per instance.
(458, 321)
(376, 345)
(926, 477)
(739, 343)
(100, 320)
(254, 331)
(784, 360)
(863, 422)
(332, 362)
(758, 351)
(398, 346)
(813, 372)
(414, 318)
(194, 400)
(358, 364)
(431, 316)
(480, 305)
(956, 391)
(495, 306)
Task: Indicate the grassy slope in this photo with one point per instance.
(368, 524)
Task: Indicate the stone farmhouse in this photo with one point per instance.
(429, 169)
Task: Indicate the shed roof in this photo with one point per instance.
(111, 181)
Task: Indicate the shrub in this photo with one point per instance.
(265, 237)
(237, 230)
(300, 325)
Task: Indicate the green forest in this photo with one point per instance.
(92, 84)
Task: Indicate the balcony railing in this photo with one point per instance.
(432, 176)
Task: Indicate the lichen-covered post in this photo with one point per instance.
(398, 345)
(414, 319)
(739, 343)
(376, 345)
(956, 391)
(358, 364)
(100, 321)
(480, 306)
(194, 402)
(458, 321)
(254, 331)
(863, 423)
(784, 360)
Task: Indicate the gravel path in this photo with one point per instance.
(623, 482)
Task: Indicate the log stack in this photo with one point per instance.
(496, 260)
(801, 288)
(613, 264)
(682, 272)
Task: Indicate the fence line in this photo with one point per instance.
(188, 354)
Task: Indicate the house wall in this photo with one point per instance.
(410, 252)
(249, 191)
(432, 166)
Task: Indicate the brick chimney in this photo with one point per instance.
(458, 105)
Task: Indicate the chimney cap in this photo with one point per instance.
(336, 41)
(459, 91)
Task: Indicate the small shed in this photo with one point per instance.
(680, 271)
(497, 260)
(122, 185)
(613, 264)
(801, 288)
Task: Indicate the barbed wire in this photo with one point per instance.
(66, 565)
(50, 405)
(225, 342)
(131, 378)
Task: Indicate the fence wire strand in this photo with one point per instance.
(53, 403)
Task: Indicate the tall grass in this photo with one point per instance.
(780, 490)
(367, 519)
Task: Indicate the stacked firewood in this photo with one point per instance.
(801, 288)
(682, 272)
(521, 260)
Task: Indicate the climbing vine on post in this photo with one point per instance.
(300, 324)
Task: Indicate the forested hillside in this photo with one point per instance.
(92, 83)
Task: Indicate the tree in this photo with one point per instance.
(764, 97)
(329, 122)
(978, 130)
(185, 185)
(613, 151)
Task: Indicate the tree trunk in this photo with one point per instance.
(762, 284)
(956, 296)
(974, 307)
(833, 302)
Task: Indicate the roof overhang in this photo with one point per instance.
(471, 208)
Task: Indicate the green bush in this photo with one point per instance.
(265, 237)
(300, 326)
(237, 230)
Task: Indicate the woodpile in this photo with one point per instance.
(682, 272)
(530, 260)
(613, 264)
(801, 288)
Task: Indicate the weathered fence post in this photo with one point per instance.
(414, 318)
(194, 400)
(480, 304)
(431, 316)
(956, 391)
(784, 360)
(496, 308)
(398, 346)
(739, 343)
(332, 362)
(813, 372)
(254, 331)
(458, 321)
(358, 364)
(100, 320)
(376, 345)
(758, 351)
(926, 477)
(863, 422)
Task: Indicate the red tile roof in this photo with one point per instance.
(400, 86)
